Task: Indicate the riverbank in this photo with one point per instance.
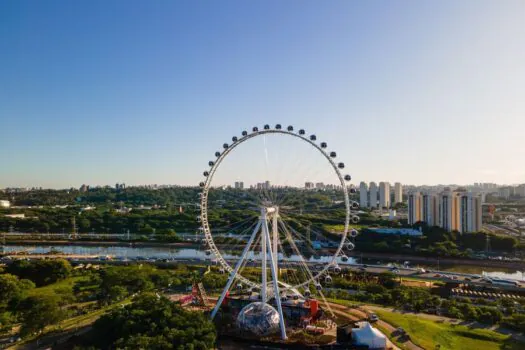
(151, 244)
(356, 255)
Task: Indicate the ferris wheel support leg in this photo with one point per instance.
(236, 270)
(275, 234)
(264, 259)
(276, 293)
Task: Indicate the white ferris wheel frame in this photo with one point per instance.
(204, 206)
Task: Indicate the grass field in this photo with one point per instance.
(428, 334)
(53, 288)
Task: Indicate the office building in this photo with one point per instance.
(414, 208)
(373, 195)
(363, 195)
(384, 195)
(309, 185)
(239, 185)
(398, 193)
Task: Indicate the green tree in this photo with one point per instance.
(12, 290)
(41, 272)
(154, 322)
(39, 311)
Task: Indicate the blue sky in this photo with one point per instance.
(420, 92)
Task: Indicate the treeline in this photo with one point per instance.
(436, 241)
(131, 196)
(161, 221)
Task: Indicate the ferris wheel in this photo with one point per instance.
(299, 219)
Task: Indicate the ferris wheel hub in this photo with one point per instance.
(270, 210)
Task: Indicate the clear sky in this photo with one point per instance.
(421, 92)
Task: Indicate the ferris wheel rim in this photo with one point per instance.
(314, 278)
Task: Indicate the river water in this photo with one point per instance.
(192, 253)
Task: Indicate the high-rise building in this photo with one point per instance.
(504, 192)
(384, 195)
(520, 190)
(449, 210)
(363, 195)
(239, 185)
(430, 209)
(373, 195)
(398, 193)
(309, 185)
(414, 208)
(470, 219)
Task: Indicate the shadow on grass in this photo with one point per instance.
(512, 344)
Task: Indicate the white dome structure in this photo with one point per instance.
(259, 318)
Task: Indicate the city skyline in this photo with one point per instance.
(420, 92)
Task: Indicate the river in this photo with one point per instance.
(192, 253)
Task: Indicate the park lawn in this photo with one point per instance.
(430, 333)
(89, 318)
(60, 285)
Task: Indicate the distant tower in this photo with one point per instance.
(74, 233)
(373, 195)
(363, 195)
(398, 193)
(384, 195)
(414, 208)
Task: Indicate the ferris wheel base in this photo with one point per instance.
(267, 248)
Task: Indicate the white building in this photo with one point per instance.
(4, 204)
(363, 195)
(430, 209)
(384, 195)
(471, 213)
(398, 193)
(367, 336)
(373, 195)
(449, 210)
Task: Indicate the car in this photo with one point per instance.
(373, 317)
(468, 279)
(437, 275)
(400, 331)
